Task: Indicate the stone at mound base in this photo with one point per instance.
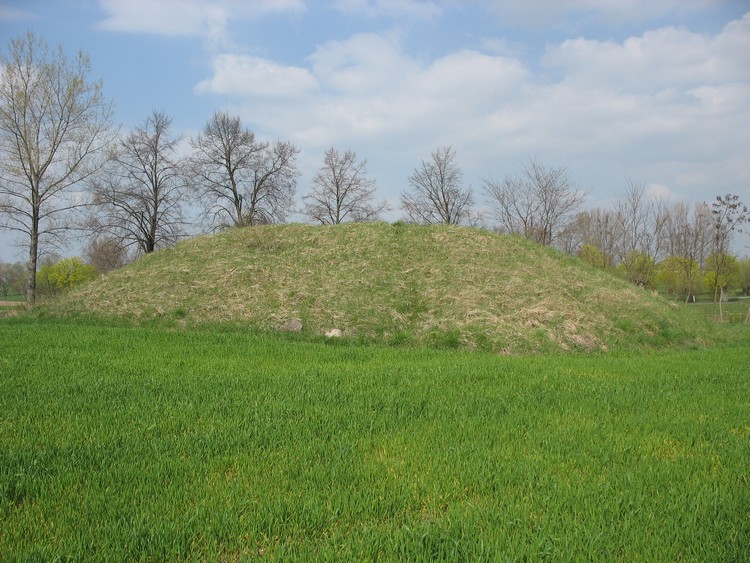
(291, 325)
(333, 333)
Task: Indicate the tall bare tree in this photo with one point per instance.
(729, 216)
(241, 181)
(139, 199)
(105, 254)
(643, 226)
(437, 194)
(688, 235)
(689, 231)
(539, 203)
(54, 127)
(341, 191)
(600, 229)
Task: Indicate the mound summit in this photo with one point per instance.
(435, 285)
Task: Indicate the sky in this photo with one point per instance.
(652, 91)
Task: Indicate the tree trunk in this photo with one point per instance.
(33, 255)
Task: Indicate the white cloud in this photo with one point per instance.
(8, 14)
(246, 76)
(669, 106)
(415, 9)
(201, 18)
(364, 63)
(564, 12)
(663, 58)
(658, 191)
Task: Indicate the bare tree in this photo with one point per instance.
(241, 181)
(341, 191)
(729, 215)
(105, 254)
(54, 126)
(634, 210)
(643, 225)
(138, 200)
(689, 231)
(688, 241)
(600, 229)
(437, 195)
(539, 203)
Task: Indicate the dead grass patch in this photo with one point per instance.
(378, 279)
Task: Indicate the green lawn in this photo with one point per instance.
(735, 311)
(155, 444)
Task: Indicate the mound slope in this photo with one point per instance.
(397, 283)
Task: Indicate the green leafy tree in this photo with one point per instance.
(45, 280)
(722, 273)
(681, 276)
(639, 268)
(12, 278)
(66, 274)
(592, 255)
(744, 266)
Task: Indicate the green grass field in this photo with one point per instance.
(735, 311)
(15, 299)
(141, 443)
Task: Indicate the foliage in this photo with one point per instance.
(639, 268)
(54, 129)
(152, 445)
(341, 191)
(66, 274)
(729, 215)
(437, 195)
(722, 273)
(591, 255)
(744, 275)
(680, 276)
(12, 279)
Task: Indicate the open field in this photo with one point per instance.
(735, 311)
(14, 305)
(145, 443)
(12, 300)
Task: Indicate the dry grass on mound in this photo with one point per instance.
(443, 285)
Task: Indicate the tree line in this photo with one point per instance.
(66, 170)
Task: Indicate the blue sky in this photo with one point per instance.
(657, 91)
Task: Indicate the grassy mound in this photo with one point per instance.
(445, 286)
